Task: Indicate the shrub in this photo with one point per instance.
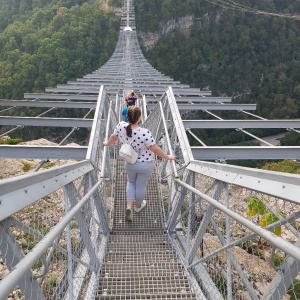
(48, 165)
(9, 141)
(26, 166)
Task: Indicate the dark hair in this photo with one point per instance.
(133, 114)
(129, 103)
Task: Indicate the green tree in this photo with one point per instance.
(287, 166)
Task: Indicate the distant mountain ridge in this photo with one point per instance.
(255, 58)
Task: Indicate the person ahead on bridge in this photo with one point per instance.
(133, 97)
(139, 172)
(125, 110)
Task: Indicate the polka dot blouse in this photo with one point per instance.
(140, 141)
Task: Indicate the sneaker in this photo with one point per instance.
(128, 214)
(143, 204)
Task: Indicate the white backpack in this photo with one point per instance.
(128, 153)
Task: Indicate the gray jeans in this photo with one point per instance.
(137, 178)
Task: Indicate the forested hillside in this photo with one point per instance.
(254, 58)
(46, 42)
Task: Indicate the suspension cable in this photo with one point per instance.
(237, 6)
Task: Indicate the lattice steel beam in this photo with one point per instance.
(277, 184)
(146, 91)
(43, 152)
(211, 124)
(28, 188)
(186, 99)
(57, 104)
(141, 80)
(60, 96)
(45, 122)
(201, 106)
(156, 78)
(237, 153)
(123, 85)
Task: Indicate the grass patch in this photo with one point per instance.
(50, 284)
(73, 224)
(38, 264)
(294, 290)
(26, 166)
(9, 141)
(48, 165)
(221, 284)
(277, 260)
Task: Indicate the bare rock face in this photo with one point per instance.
(39, 142)
(10, 168)
(149, 39)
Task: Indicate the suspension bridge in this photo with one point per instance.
(211, 230)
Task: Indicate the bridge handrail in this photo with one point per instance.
(8, 283)
(277, 184)
(200, 189)
(95, 132)
(180, 130)
(81, 183)
(106, 149)
(267, 235)
(164, 122)
(208, 210)
(42, 183)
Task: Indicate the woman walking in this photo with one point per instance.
(138, 173)
(133, 97)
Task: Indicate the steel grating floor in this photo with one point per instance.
(140, 262)
(150, 218)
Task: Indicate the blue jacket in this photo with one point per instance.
(124, 113)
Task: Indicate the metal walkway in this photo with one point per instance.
(149, 220)
(140, 262)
